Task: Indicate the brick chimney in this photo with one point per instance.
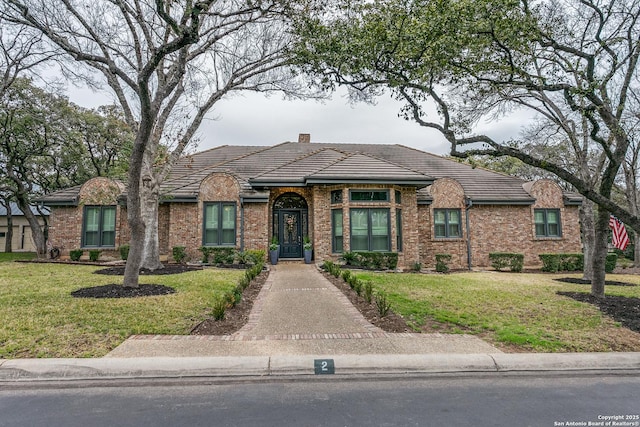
(304, 138)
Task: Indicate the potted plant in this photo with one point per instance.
(274, 250)
(308, 250)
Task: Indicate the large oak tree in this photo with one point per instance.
(476, 59)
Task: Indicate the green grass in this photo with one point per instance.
(40, 318)
(519, 312)
(13, 256)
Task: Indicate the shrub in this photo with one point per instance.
(244, 257)
(256, 256)
(383, 304)
(94, 254)
(237, 294)
(179, 254)
(345, 275)
(442, 261)
(562, 262)
(349, 258)
(550, 262)
(353, 281)
(219, 308)
(501, 260)
(357, 285)
(417, 267)
(367, 289)
(75, 254)
(124, 252)
(222, 256)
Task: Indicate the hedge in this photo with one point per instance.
(372, 260)
(501, 260)
(573, 262)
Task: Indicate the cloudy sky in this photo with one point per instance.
(254, 119)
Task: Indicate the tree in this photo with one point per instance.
(43, 146)
(572, 60)
(167, 63)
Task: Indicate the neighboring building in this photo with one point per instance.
(22, 240)
(345, 197)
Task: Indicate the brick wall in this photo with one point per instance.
(497, 228)
(65, 229)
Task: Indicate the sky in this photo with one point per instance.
(255, 119)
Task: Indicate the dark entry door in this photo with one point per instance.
(290, 234)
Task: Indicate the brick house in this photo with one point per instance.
(344, 197)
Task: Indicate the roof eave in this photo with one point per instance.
(419, 183)
(520, 202)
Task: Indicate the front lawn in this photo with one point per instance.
(14, 256)
(516, 312)
(40, 318)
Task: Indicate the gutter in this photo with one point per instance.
(468, 206)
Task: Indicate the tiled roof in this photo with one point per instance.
(293, 163)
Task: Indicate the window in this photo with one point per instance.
(398, 196)
(369, 196)
(447, 223)
(547, 222)
(3, 234)
(99, 226)
(399, 229)
(336, 196)
(337, 245)
(219, 224)
(370, 230)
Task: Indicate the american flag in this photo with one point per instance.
(620, 238)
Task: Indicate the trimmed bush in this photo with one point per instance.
(124, 252)
(367, 291)
(371, 260)
(256, 256)
(502, 260)
(94, 254)
(345, 275)
(553, 263)
(75, 254)
(218, 256)
(179, 254)
(442, 263)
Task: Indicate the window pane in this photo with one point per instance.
(337, 223)
(211, 217)
(359, 222)
(454, 230)
(553, 229)
(439, 216)
(380, 243)
(108, 219)
(379, 222)
(228, 237)
(91, 238)
(108, 238)
(338, 245)
(539, 216)
(369, 196)
(211, 237)
(552, 217)
(454, 217)
(92, 218)
(540, 230)
(399, 230)
(336, 196)
(441, 230)
(228, 217)
(398, 195)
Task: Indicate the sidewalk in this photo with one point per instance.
(299, 312)
(298, 319)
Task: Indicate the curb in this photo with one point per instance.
(25, 370)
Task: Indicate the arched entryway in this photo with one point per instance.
(290, 223)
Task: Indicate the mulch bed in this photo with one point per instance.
(625, 310)
(577, 281)
(168, 269)
(235, 317)
(392, 322)
(119, 291)
(115, 290)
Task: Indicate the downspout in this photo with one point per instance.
(241, 224)
(468, 205)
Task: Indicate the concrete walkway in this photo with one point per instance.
(299, 312)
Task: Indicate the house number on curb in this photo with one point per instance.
(324, 366)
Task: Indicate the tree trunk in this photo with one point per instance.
(151, 251)
(8, 242)
(600, 254)
(134, 212)
(36, 231)
(587, 220)
(636, 249)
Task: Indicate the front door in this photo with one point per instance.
(290, 234)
